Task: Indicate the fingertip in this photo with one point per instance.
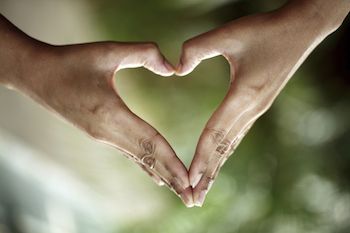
(199, 194)
(187, 197)
(180, 71)
(169, 66)
(200, 199)
(162, 71)
(181, 66)
(168, 73)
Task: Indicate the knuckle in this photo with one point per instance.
(151, 47)
(216, 135)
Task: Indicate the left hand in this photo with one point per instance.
(263, 51)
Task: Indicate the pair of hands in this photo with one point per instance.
(77, 82)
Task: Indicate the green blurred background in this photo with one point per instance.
(291, 173)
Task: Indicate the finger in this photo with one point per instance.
(217, 160)
(158, 157)
(146, 146)
(196, 50)
(214, 133)
(145, 55)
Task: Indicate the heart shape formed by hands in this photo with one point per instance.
(76, 82)
(258, 74)
(174, 92)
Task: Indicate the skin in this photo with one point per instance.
(76, 82)
(263, 51)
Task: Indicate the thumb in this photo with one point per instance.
(146, 55)
(194, 51)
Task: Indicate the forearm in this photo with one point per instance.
(16, 53)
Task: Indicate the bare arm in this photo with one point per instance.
(264, 51)
(77, 83)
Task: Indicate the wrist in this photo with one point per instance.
(325, 16)
(16, 59)
(15, 47)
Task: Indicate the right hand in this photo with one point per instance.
(77, 83)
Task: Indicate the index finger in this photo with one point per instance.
(136, 138)
(218, 138)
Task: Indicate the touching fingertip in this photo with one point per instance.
(200, 200)
(169, 66)
(180, 70)
(187, 197)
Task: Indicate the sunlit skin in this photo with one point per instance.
(77, 83)
(263, 51)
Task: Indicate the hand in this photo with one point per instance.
(77, 83)
(263, 52)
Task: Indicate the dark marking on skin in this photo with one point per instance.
(147, 147)
(149, 161)
(208, 180)
(223, 147)
(147, 156)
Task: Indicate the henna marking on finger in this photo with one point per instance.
(223, 147)
(147, 157)
(147, 147)
(209, 180)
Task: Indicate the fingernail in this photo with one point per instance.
(196, 180)
(187, 197)
(201, 198)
